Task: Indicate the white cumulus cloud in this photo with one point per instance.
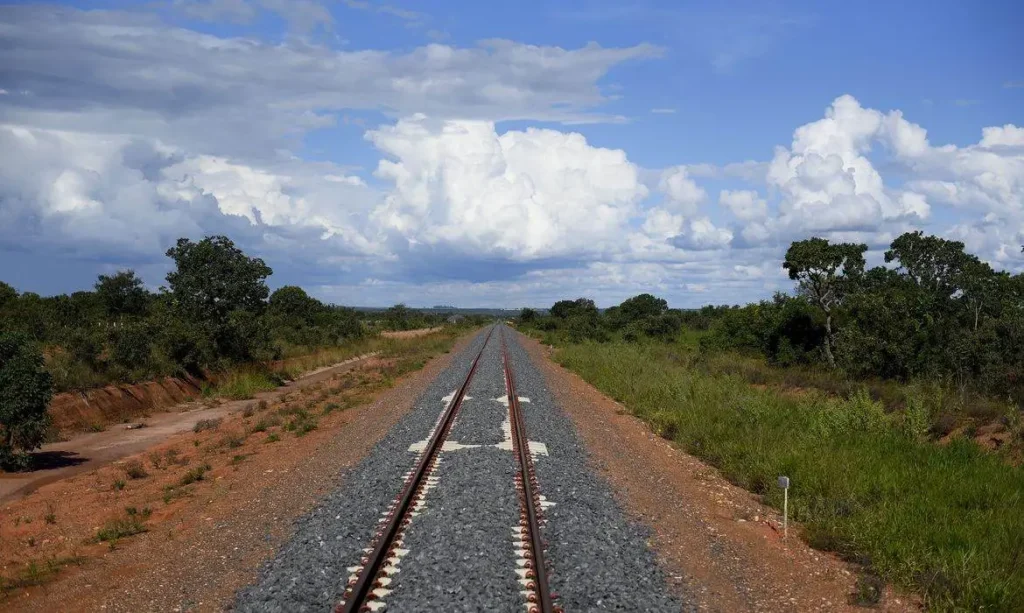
(745, 205)
(523, 194)
(682, 193)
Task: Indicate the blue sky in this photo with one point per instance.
(504, 154)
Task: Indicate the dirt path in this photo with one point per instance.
(209, 538)
(717, 541)
(89, 451)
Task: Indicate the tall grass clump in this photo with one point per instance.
(244, 383)
(944, 520)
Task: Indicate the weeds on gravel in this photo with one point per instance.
(36, 572)
(119, 484)
(132, 523)
(233, 440)
(173, 492)
(301, 424)
(265, 423)
(195, 474)
(133, 469)
(944, 520)
(207, 424)
(273, 437)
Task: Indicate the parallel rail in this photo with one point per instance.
(529, 499)
(360, 592)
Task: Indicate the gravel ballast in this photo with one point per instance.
(460, 553)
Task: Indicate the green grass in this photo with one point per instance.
(244, 383)
(945, 521)
(118, 528)
(194, 474)
(36, 572)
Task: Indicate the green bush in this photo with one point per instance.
(25, 391)
(131, 349)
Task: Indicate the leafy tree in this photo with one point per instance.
(642, 306)
(399, 317)
(527, 316)
(213, 278)
(583, 307)
(7, 294)
(131, 348)
(25, 391)
(826, 273)
(933, 263)
(122, 294)
(294, 303)
(27, 315)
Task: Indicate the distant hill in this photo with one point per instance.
(450, 309)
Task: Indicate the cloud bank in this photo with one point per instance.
(119, 133)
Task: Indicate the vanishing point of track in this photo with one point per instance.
(371, 581)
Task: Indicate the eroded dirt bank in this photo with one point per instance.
(95, 408)
(84, 451)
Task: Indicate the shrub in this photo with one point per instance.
(207, 424)
(265, 423)
(131, 347)
(196, 474)
(121, 527)
(25, 392)
(134, 470)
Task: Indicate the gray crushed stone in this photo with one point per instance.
(461, 556)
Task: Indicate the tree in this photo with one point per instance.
(583, 307)
(641, 306)
(7, 294)
(934, 263)
(399, 317)
(293, 303)
(826, 273)
(122, 294)
(212, 278)
(527, 316)
(218, 289)
(25, 392)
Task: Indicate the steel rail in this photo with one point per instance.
(529, 497)
(357, 594)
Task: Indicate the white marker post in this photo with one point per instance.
(784, 484)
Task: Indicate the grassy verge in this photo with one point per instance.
(246, 381)
(942, 520)
(948, 408)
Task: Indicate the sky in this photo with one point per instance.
(504, 154)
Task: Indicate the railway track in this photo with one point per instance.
(371, 578)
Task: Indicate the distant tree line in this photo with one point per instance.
(215, 311)
(640, 317)
(932, 312)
